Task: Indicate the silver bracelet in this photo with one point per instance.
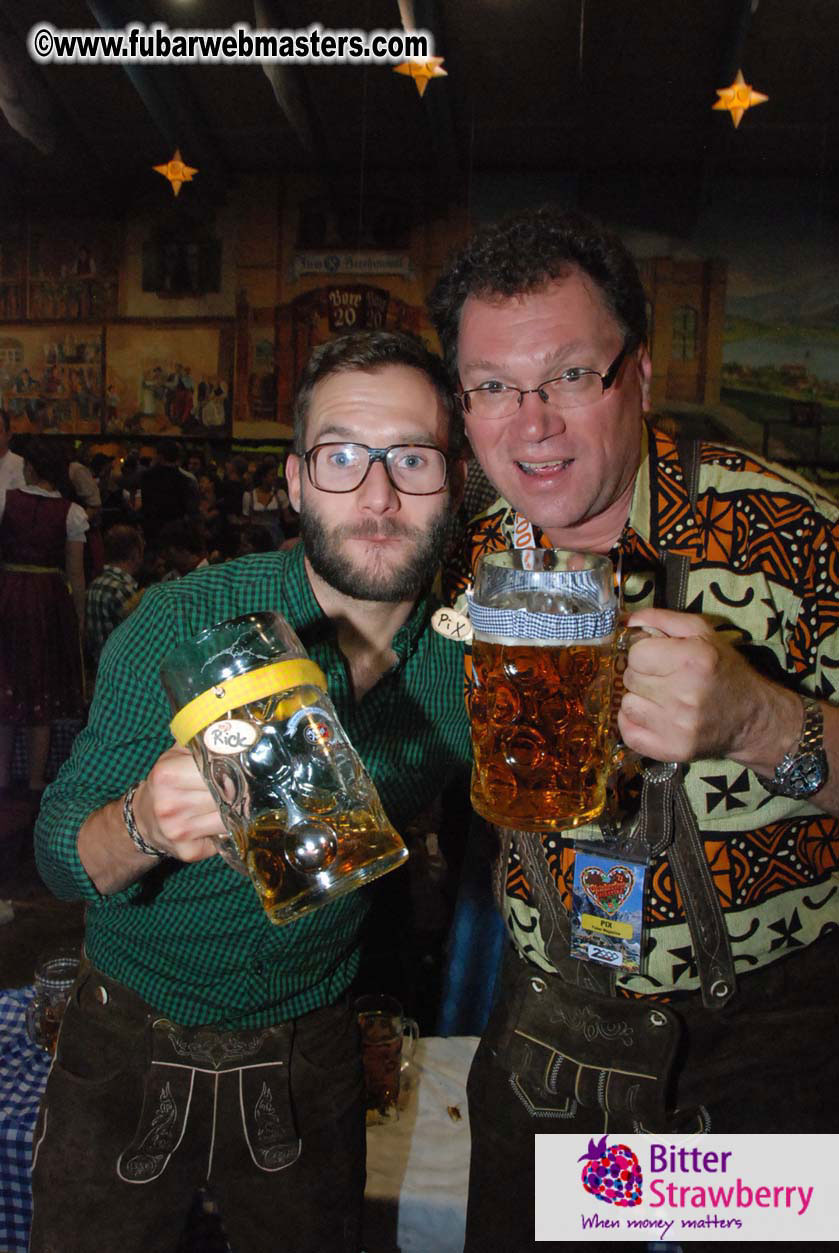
(132, 828)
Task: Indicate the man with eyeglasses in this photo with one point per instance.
(172, 933)
(731, 566)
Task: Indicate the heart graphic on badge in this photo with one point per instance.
(608, 892)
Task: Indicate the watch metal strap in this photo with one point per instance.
(811, 741)
(812, 732)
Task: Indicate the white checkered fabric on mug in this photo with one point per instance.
(521, 624)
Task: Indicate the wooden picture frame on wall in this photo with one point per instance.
(257, 411)
(63, 270)
(13, 268)
(51, 379)
(169, 378)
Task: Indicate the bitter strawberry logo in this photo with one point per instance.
(609, 891)
(612, 1174)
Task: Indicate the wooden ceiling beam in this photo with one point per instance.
(169, 101)
(287, 83)
(437, 101)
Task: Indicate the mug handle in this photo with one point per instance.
(620, 755)
(627, 636)
(33, 1014)
(410, 1035)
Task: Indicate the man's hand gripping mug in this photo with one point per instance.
(303, 817)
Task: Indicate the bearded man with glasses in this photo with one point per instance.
(730, 565)
(172, 934)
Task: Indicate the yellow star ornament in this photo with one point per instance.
(422, 72)
(737, 98)
(176, 172)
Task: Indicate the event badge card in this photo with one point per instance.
(607, 910)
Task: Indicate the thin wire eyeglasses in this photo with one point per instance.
(413, 469)
(574, 387)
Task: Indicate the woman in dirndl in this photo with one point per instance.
(42, 536)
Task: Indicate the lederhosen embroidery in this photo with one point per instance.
(180, 1056)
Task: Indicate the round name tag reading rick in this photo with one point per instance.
(229, 736)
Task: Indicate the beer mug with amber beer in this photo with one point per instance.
(302, 816)
(545, 642)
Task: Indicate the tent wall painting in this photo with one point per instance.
(65, 270)
(58, 365)
(168, 380)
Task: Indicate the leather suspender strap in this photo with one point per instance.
(667, 823)
(701, 902)
(686, 852)
(554, 922)
(688, 453)
(500, 863)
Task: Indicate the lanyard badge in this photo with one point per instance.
(607, 909)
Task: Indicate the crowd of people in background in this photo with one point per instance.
(105, 529)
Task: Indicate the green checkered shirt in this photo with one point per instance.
(193, 939)
(104, 602)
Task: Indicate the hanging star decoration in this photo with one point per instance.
(737, 98)
(176, 172)
(422, 72)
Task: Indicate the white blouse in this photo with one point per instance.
(77, 522)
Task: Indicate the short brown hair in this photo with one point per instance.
(121, 543)
(527, 251)
(369, 351)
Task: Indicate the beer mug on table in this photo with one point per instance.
(302, 816)
(388, 1040)
(55, 975)
(544, 651)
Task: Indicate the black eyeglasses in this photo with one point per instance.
(415, 469)
(574, 387)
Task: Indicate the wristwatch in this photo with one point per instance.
(802, 772)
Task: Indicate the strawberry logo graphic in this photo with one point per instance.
(611, 1174)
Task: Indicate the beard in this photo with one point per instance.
(324, 545)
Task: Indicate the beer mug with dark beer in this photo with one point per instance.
(545, 642)
(303, 817)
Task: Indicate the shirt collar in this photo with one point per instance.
(299, 587)
(639, 519)
(300, 593)
(661, 514)
(39, 491)
(408, 636)
(119, 572)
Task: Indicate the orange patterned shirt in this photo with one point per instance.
(763, 550)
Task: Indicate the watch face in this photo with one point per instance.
(806, 776)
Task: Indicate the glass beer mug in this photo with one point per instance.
(302, 815)
(545, 643)
(55, 975)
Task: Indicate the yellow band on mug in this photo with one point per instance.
(217, 701)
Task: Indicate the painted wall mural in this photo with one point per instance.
(66, 270)
(51, 378)
(168, 380)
